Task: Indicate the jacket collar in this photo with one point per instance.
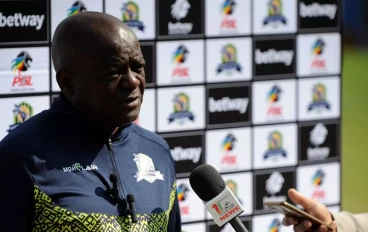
(66, 115)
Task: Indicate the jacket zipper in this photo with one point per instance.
(116, 170)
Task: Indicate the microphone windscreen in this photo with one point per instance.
(113, 177)
(206, 182)
(130, 198)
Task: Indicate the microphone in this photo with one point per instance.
(132, 211)
(219, 200)
(114, 191)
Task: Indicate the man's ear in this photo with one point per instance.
(64, 80)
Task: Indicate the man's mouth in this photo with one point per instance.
(130, 101)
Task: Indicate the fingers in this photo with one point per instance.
(289, 221)
(303, 226)
(299, 199)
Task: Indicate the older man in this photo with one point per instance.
(83, 165)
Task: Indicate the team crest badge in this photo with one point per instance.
(146, 169)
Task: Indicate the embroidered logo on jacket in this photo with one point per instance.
(78, 167)
(146, 169)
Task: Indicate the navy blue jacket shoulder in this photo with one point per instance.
(55, 173)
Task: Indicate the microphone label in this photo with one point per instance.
(224, 207)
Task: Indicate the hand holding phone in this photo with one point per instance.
(291, 211)
(314, 217)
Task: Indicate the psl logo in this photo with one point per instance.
(275, 15)
(317, 51)
(317, 181)
(274, 226)
(273, 98)
(179, 57)
(181, 109)
(229, 60)
(21, 64)
(227, 9)
(227, 146)
(319, 101)
(22, 112)
(275, 149)
(130, 15)
(76, 8)
(182, 192)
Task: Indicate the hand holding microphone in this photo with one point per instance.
(219, 200)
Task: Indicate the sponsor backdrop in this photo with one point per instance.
(252, 87)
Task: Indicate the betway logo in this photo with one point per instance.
(272, 56)
(318, 10)
(227, 104)
(182, 154)
(20, 20)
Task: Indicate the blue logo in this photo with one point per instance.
(275, 13)
(275, 146)
(229, 59)
(319, 98)
(181, 109)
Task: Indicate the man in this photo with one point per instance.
(72, 167)
(341, 222)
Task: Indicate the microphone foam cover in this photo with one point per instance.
(113, 177)
(206, 182)
(130, 198)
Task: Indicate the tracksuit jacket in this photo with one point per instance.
(347, 222)
(55, 176)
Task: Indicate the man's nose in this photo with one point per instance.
(130, 82)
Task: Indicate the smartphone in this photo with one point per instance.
(292, 211)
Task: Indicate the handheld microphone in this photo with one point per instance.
(131, 202)
(115, 190)
(219, 200)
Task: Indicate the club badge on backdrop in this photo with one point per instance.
(181, 112)
(275, 149)
(22, 112)
(229, 62)
(130, 16)
(275, 14)
(319, 102)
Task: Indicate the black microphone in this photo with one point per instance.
(132, 211)
(219, 200)
(115, 190)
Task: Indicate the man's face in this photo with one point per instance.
(113, 79)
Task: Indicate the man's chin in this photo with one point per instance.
(128, 118)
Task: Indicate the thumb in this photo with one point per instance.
(299, 199)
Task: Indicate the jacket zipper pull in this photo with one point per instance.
(110, 144)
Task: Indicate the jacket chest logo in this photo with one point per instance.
(146, 169)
